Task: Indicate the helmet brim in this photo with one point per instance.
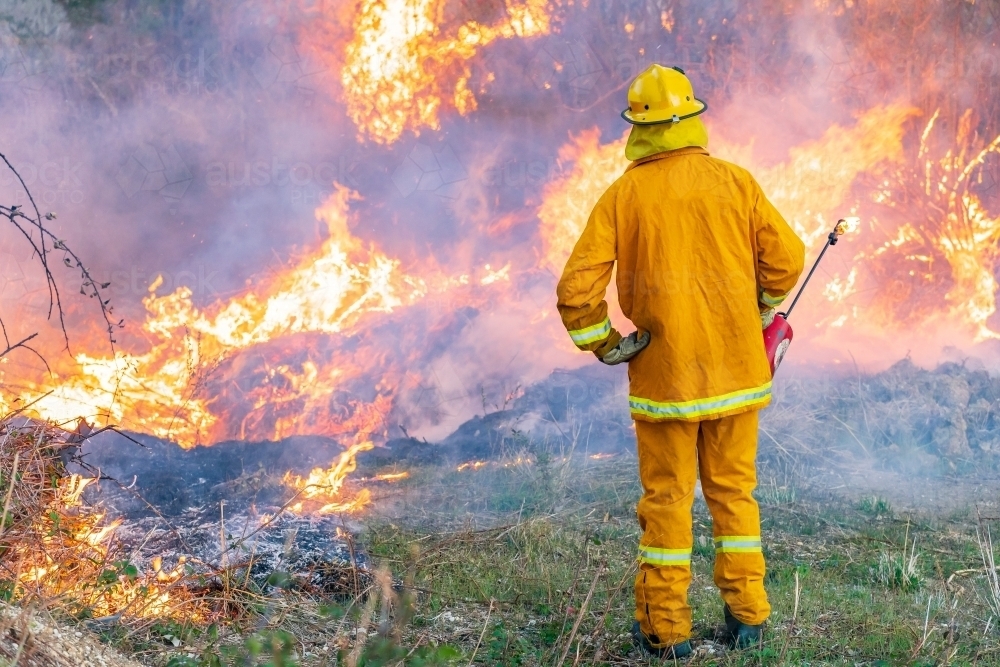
(659, 118)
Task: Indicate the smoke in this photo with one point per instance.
(189, 144)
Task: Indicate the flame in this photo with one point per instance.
(78, 558)
(328, 291)
(567, 201)
(323, 485)
(839, 289)
(942, 220)
(36, 574)
(402, 69)
(492, 276)
(391, 476)
(969, 241)
(362, 500)
(75, 488)
(815, 180)
(95, 536)
(848, 225)
(517, 461)
(819, 178)
(506, 463)
(924, 250)
(168, 576)
(955, 226)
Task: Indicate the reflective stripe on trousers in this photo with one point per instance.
(672, 454)
(737, 544)
(661, 557)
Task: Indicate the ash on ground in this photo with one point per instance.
(905, 421)
(318, 556)
(211, 508)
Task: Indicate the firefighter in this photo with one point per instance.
(703, 260)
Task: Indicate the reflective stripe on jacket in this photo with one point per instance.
(701, 253)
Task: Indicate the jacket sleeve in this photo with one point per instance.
(585, 279)
(780, 253)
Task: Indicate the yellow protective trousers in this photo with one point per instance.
(671, 455)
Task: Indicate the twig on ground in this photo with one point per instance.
(791, 627)
(482, 634)
(361, 635)
(928, 631)
(10, 491)
(629, 573)
(579, 616)
(985, 539)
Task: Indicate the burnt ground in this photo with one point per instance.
(867, 432)
(528, 559)
(873, 488)
(569, 409)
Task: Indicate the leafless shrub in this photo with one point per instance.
(47, 247)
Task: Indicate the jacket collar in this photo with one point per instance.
(687, 150)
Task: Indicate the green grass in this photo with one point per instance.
(524, 563)
(875, 505)
(510, 554)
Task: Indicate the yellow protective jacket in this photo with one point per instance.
(701, 253)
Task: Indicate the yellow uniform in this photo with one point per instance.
(701, 254)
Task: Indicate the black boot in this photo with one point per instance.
(674, 652)
(739, 634)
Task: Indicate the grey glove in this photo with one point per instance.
(626, 348)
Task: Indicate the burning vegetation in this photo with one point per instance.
(265, 462)
(408, 63)
(297, 351)
(57, 551)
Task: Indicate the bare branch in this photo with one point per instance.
(23, 345)
(42, 246)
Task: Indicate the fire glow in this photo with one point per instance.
(922, 253)
(89, 545)
(397, 69)
(327, 292)
(322, 488)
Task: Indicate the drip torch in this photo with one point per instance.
(778, 336)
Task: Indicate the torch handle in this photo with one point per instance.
(830, 240)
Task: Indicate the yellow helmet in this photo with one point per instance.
(661, 95)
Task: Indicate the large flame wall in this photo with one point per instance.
(347, 219)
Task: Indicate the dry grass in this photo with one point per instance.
(529, 561)
(60, 554)
(45, 527)
(59, 559)
(33, 638)
(48, 551)
(991, 584)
